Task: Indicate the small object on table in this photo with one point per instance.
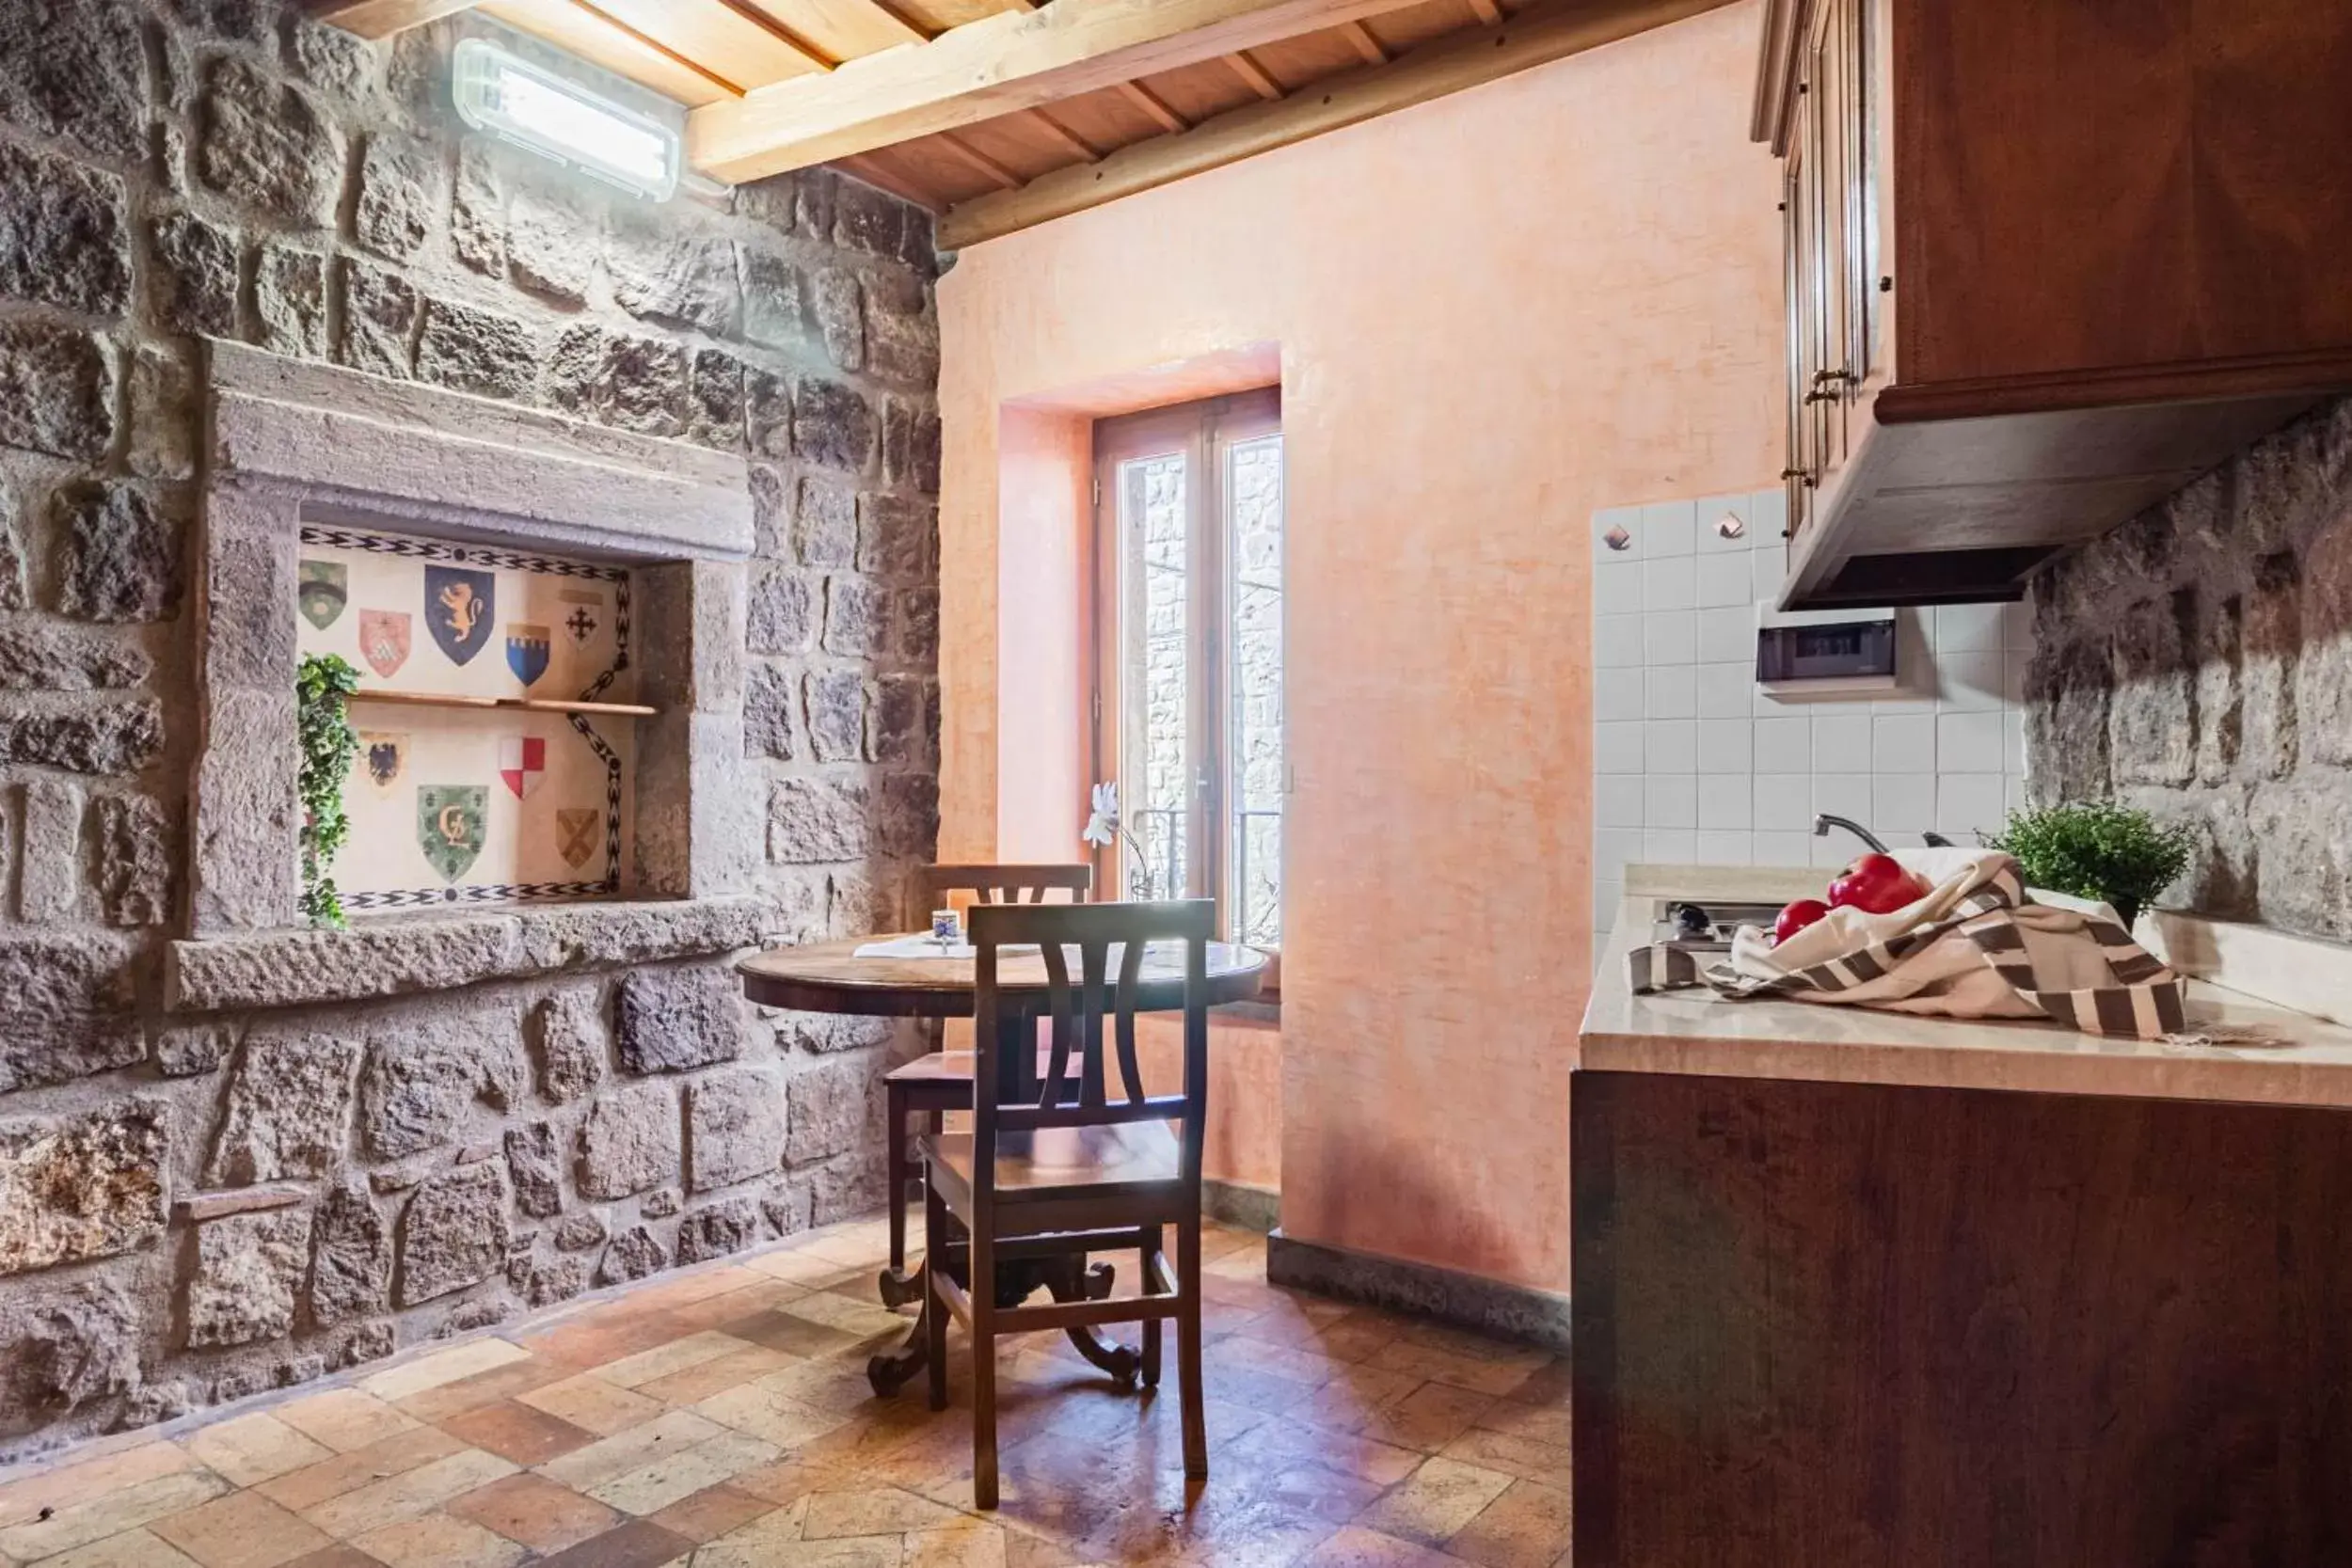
(946, 930)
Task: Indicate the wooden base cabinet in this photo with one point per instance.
(1838, 1325)
(2047, 261)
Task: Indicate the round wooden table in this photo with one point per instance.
(830, 978)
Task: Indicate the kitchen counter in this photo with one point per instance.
(1699, 1032)
(1860, 1287)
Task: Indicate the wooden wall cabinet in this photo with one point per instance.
(2046, 263)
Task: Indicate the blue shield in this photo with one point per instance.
(527, 652)
(458, 605)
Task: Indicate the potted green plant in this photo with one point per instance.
(321, 685)
(2102, 849)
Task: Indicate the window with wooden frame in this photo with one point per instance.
(1188, 655)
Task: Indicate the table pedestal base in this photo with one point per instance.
(1069, 1278)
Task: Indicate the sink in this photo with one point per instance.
(1723, 916)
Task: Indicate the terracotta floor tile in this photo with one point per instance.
(315, 1483)
(1440, 1365)
(780, 1330)
(675, 1476)
(594, 1404)
(345, 1419)
(1427, 1419)
(441, 1367)
(1304, 1367)
(400, 1497)
(109, 1513)
(596, 1339)
(731, 1371)
(1277, 1440)
(787, 1480)
(796, 1266)
(638, 1544)
(674, 1355)
(1545, 1464)
(871, 1511)
(1353, 1397)
(1029, 1551)
(541, 1514)
(850, 1244)
(1551, 1384)
(1354, 1547)
(79, 1481)
(967, 1544)
(341, 1555)
(250, 1449)
(1551, 1423)
(762, 1294)
(1528, 1527)
(244, 1530)
(675, 1289)
(861, 1320)
(770, 1417)
(136, 1548)
(634, 1448)
(832, 1383)
(711, 1513)
(1440, 1499)
(438, 1541)
(433, 1405)
(770, 1544)
(518, 1432)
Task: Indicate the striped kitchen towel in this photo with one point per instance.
(1976, 946)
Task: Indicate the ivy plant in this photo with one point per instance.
(2102, 849)
(329, 745)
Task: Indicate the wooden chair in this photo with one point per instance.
(941, 1080)
(1050, 1168)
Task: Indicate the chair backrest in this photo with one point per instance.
(1108, 942)
(1006, 884)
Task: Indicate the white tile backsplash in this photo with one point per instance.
(1694, 763)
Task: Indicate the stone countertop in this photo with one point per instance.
(1695, 1032)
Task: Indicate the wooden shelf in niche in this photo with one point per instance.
(522, 704)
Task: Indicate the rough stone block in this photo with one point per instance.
(772, 297)
(352, 1255)
(161, 388)
(815, 821)
(629, 1141)
(834, 424)
(135, 858)
(122, 553)
(53, 657)
(80, 1187)
(830, 1107)
(826, 1034)
(403, 186)
(245, 829)
(906, 817)
(661, 1203)
(12, 561)
(290, 299)
(248, 1271)
(901, 337)
(866, 219)
(615, 378)
(834, 301)
(714, 412)
(768, 705)
(895, 721)
(857, 617)
(782, 614)
(57, 392)
(713, 1232)
(455, 1234)
(634, 1255)
(380, 309)
(77, 70)
(265, 142)
(835, 708)
(537, 1169)
(577, 1232)
(193, 276)
(50, 869)
(192, 1049)
(289, 1110)
(546, 224)
(476, 351)
(422, 1084)
(567, 1038)
(768, 412)
(918, 625)
(76, 1346)
(897, 537)
(673, 1019)
(733, 1127)
(327, 56)
(102, 737)
(544, 1281)
(678, 280)
(64, 234)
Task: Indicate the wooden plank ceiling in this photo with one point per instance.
(999, 113)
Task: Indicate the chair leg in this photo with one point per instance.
(897, 1286)
(983, 1299)
(1152, 1242)
(1189, 1346)
(934, 1307)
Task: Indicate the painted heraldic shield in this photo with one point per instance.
(458, 605)
(452, 821)
(522, 762)
(384, 640)
(527, 652)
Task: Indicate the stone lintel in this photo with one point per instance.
(422, 954)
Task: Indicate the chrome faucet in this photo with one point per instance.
(1823, 822)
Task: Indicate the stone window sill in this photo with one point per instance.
(440, 952)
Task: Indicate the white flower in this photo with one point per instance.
(1103, 823)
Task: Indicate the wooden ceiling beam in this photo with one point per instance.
(1254, 75)
(1487, 11)
(381, 19)
(1151, 103)
(1010, 61)
(1063, 136)
(1547, 31)
(980, 163)
(1369, 48)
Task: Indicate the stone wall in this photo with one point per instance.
(235, 1194)
(2197, 661)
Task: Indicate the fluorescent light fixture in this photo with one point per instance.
(509, 97)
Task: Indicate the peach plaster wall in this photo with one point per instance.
(1494, 314)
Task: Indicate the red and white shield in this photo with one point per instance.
(522, 762)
